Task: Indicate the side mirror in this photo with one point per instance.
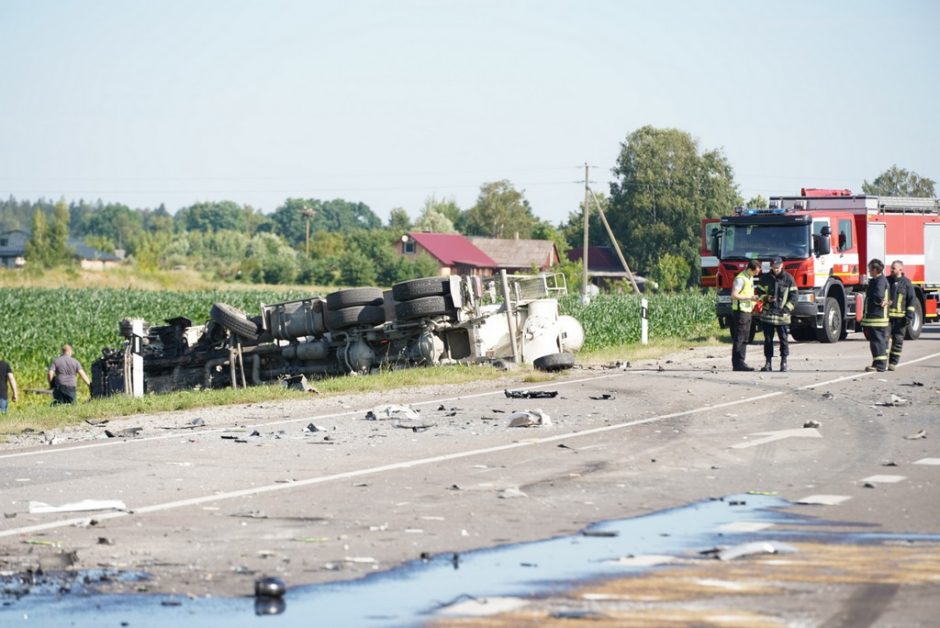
(821, 244)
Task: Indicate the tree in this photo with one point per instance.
(501, 211)
(446, 207)
(399, 221)
(207, 217)
(37, 247)
(433, 221)
(900, 182)
(269, 259)
(757, 202)
(664, 187)
(289, 219)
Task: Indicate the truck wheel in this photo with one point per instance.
(234, 320)
(356, 316)
(554, 362)
(832, 322)
(424, 307)
(417, 288)
(353, 296)
(914, 329)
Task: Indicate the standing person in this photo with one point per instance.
(875, 317)
(778, 290)
(742, 304)
(900, 310)
(6, 377)
(62, 374)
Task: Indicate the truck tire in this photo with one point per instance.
(424, 307)
(234, 320)
(356, 316)
(914, 329)
(831, 330)
(417, 288)
(352, 297)
(554, 362)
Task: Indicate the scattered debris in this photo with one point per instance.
(529, 418)
(868, 485)
(299, 382)
(387, 412)
(604, 534)
(894, 401)
(130, 432)
(919, 434)
(269, 587)
(914, 384)
(812, 424)
(749, 549)
(95, 423)
(603, 397)
(415, 426)
(531, 394)
(511, 493)
(889, 463)
(737, 502)
(251, 514)
(828, 395)
(103, 540)
(37, 508)
(312, 427)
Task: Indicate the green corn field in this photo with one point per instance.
(39, 320)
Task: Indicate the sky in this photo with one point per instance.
(390, 102)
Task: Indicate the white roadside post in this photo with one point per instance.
(644, 321)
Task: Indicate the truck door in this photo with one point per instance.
(822, 264)
(932, 254)
(876, 243)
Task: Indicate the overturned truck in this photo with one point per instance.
(434, 320)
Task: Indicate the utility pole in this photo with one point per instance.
(584, 251)
(309, 213)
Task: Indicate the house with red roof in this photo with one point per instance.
(455, 253)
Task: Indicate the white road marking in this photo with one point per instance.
(769, 437)
(196, 501)
(824, 500)
(930, 461)
(884, 479)
(745, 526)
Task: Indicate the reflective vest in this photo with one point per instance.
(902, 297)
(876, 297)
(746, 291)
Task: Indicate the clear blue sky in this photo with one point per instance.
(387, 102)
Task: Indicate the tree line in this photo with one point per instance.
(664, 184)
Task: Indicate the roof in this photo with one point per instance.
(80, 249)
(601, 259)
(453, 248)
(518, 253)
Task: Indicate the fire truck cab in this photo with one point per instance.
(826, 238)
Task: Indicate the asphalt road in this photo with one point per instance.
(250, 493)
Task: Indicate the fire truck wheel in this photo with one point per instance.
(803, 334)
(832, 322)
(356, 316)
(417, 288)
(234, 320)
(913, 330)
(554, 362)
(424, 307)
(353, 296)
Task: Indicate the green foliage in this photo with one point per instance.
(900, 182)
(758, 202)
(434, 221)
(37, 247)
(671, 272)
(612, 320)
(399, 221)
(664, 187)
(211, 217)
(270, 259)
(501, 211)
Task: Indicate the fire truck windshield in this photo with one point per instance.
(762, 241)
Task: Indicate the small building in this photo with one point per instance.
(455, 253)
(604, 267)
(13, 252)
(517, 255)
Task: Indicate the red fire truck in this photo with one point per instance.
(826, 239)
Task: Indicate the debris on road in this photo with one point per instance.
(312, 427)
(130, 432)
(299, 382)
(752, 548)
(415, 426)
(269, 587)
(39, 508)
(919, 434)
(604, 534)
(531, 394)
(391, 411)
(894, 401)
(603, 397)
(828, 395)
(96, 423)
(812, 424)
(511, 493)
(529, 418)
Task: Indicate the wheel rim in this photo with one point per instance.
(833, 323)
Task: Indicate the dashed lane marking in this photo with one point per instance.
(884, 479)
(824, 500)
(930, 461)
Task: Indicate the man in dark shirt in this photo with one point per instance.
(62, 374)
(900, 310)
(6, 377)
(875, 319)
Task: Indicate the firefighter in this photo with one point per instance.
(778, 293)
(900, 310)
(875, 318)
(742, 304)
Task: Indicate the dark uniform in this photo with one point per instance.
(875, 322)
(900, 313)
(775, 315)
